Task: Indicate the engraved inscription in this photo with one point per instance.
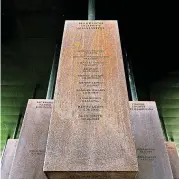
(151, 153)
(90, 25)
(37, 152)
(90, 79)
(44, 104)
(146, 154)
(139, 106)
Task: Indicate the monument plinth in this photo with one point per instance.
(8, 157)
(90, 131)
(174, 158)
(151, 151)
(29, 157)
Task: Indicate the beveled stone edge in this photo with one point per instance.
(133, 174)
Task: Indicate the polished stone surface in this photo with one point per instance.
(29, 158)
(174, 158)
(151, 151)
(7, 158)
(90, 130)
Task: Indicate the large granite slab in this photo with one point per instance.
(151, 150)
(174, 158)
(29, 158)
(90, 130)
(7, 158)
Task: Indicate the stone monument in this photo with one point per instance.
(174, 159)
(8, 156)
(152, 154)
(29, 157)
(90, 130)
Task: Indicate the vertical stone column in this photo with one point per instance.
(90, 131)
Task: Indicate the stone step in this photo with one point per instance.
(2, 144)
(166, 93)
(173, 128)
(29, 69)
(176, 134)
(168, 103)
(13, 101)
(173, 135)
(17, 88)
(165, 112)
(11, 110)
(171, 120)
(9, 122)
(176, 140)
(26, 94)
(6, 131)
(165, 85)
(172, 82)
(16, 81)
(8, 116)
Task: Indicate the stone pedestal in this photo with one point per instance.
(90, 131)
(174, 159)
(7, 158)
(151, 151)
(29, 158)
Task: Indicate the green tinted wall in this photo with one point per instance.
(166, 94)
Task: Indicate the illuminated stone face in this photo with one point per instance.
(152, 155)
(29, 158)
(8, 157)
(90, 133)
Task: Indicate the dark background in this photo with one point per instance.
(148, 30)
(31, 28)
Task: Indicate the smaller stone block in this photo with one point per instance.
(152, 154)
(7, 158)
(29, 158)
(174, 158)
